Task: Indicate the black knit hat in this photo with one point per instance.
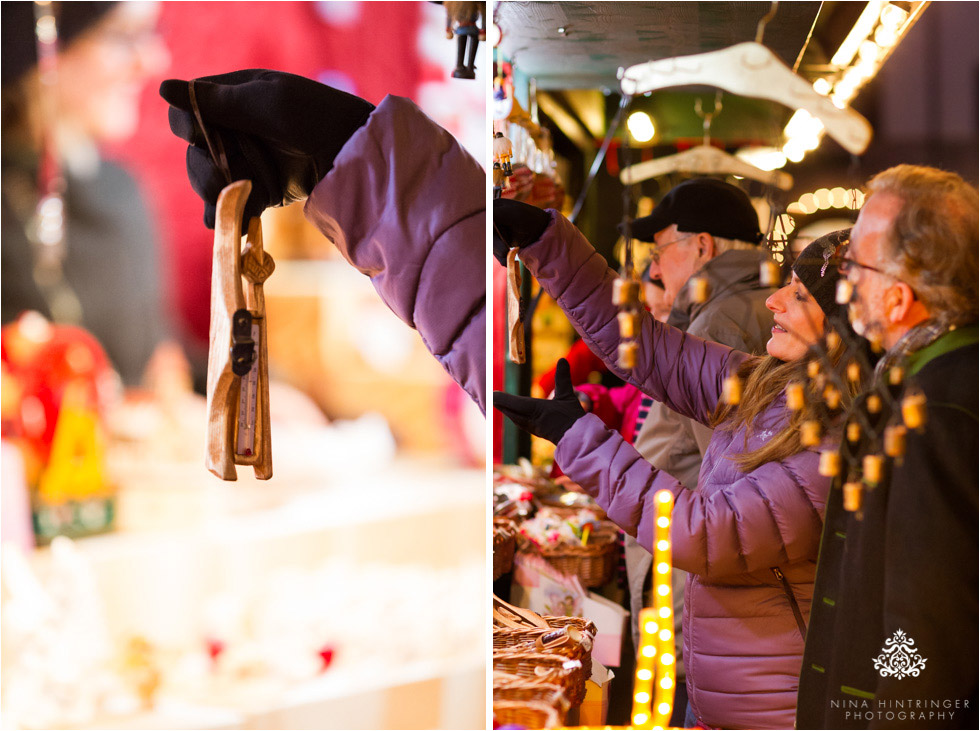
(816, 266)
(703, 204)
(19, 43)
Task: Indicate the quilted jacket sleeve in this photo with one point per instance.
(682, 371)
(405, 204)
(771, 516)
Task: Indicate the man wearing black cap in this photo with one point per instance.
(703, 228)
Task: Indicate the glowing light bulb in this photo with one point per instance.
(648, 651)
(645, 675)
(662, 545)
(640, 126)
(663, 590)
(642, 697)
(663, 568)
(665, 635)
(664, 612)
(663, 522)
(822, 86)
(667, 659)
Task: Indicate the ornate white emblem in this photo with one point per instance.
(899, 658)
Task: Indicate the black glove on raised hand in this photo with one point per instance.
(520, 224)
(278, 130)
(546, 418)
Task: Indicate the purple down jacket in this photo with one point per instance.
(406, 205)
(742, 642)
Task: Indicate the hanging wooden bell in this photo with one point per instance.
(731, 390)
(829, 463)
(625, 291)
(700, 289)
(629, 323)
(769, 274)
(895, 440)
(872, 465)
(853, 431)
(794, 396)
(914, 410)
(831, 397)
(627, 355)
(810, 433)
(853, 492)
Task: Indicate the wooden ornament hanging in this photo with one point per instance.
(769, 274)
(731, 390)
(515, 315)
(830, 463)
(853, 494)
(794, 396)
(238, 364)
(895, 440)
(914, 410)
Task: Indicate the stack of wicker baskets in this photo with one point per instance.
(504, 545)
(540, 665)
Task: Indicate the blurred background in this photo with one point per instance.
(138, 590)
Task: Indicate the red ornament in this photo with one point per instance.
(326, 655)
(215, 648)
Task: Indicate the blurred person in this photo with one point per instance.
(399, 197)
(908, 561)
(748, 534)
(106, 277)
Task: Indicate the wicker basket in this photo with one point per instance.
(513, 688)
(593, 563)
(529, 714)
(526, 640)
(570, 511)
(504, 545)
(546, 668)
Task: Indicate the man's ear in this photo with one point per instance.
(899, 301)
(706, 245)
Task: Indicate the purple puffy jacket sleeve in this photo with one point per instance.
(771, 516)
(682, 371)
(406, 205)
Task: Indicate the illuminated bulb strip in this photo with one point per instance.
(653, 689)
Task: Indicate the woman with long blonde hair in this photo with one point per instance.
(749, 534)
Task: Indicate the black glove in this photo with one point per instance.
(520, 224)
(546, 418)
(278, 130)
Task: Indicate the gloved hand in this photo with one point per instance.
(278, 130)
(546, 418)
(520, 224)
